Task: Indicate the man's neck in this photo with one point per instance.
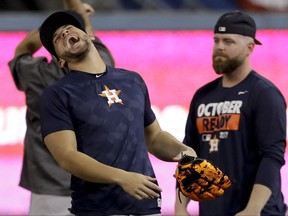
(92, 64)
(237, 76)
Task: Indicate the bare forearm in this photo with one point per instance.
(163, 145)
(259, 196)
(83, 9)
(86, 168)
(166, 147)
(30, 44)
(181, 204)
(75, 5)
(63, 146)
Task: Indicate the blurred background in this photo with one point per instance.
(124, 5)
(146, 14)
(169, 42)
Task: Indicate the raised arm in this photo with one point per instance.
(82, 8)
(86, 11)
(30, 44)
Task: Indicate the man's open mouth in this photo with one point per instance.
(72, 40)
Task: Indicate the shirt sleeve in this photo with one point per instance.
(270, 120)
(27, 71)
(149, 115)
(54, 111)
(24, 69)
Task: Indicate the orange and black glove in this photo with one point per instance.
(199, 179)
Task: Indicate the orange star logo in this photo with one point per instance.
(112, 95)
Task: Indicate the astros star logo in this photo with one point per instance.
(111, 95)
(214, 144)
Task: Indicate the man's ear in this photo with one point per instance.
(251, 46)
(62, 63)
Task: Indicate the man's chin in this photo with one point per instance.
(218, 70)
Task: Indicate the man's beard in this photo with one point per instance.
(80, 55)
(224, 65)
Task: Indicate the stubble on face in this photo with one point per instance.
(81, 53)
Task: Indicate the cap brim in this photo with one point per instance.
(257, 42)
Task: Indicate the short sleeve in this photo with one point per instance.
(54, 112)
(149, 116)
(24, 68)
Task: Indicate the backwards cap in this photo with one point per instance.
(237, 23)
(55, 21)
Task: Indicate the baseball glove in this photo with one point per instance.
(200, 180)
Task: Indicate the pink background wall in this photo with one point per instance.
(173, 64)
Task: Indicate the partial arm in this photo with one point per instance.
(63, 147)
(259, 196)
(30, 44)
(270, 130)
(163, 145)
(181, 206)
(84, 9)
(190, 139)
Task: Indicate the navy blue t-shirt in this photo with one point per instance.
(108, 115)
(241, 129)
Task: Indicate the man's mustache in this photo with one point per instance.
(220, 55)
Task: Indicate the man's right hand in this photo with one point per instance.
(88, 9)
(139, 186)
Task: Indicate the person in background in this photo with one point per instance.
(238, 121)
(49, 184)
(98, 124)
